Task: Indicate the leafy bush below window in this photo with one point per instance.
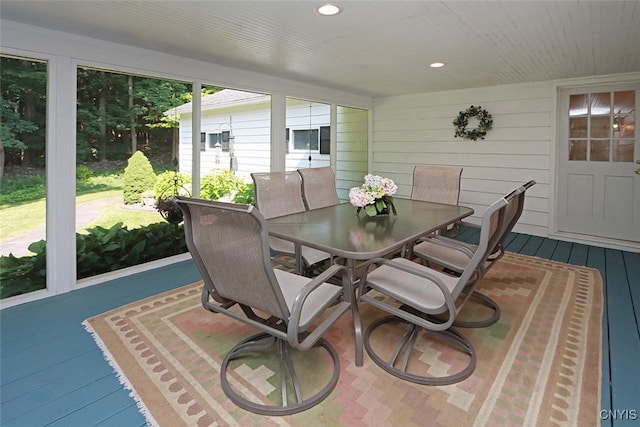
(100, 251)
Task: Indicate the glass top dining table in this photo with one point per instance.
(342, 232)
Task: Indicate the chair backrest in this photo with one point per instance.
(229, 244)
(440, 184)
(278, 193)
(319, 187)
(516, 205)
(492, 227)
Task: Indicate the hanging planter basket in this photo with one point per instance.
(169, 211)
(165, 205)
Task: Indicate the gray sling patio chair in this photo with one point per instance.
(278, 194)
(229, 244)
(454, 255)
(423, 304)
(319, 187)
(439, 184)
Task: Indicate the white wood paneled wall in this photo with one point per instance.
(418, 129)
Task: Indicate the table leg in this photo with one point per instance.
(349, 283)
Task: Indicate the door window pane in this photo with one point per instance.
(622, 151)
(600, 104)
(578, 105)
(605, 131)
(600, 151)
(578, 127)
(578, 150)
(600, 127)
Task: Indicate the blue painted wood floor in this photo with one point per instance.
(53, 374)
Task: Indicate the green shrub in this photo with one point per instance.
(22, 189)
(138, 176)
(170, 183)
(83, 172)
(246, 195)
(222, 183)
(100, 251)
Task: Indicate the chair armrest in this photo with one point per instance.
(420, 271)
(456, 245)
(293, 333)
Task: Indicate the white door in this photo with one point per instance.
(599, 162)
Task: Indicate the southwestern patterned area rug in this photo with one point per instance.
(539, 365)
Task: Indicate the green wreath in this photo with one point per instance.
(461, 122)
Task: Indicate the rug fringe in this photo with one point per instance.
(122, 378)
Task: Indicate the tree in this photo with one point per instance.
(23, 110)
(116, 113)
(138, 177)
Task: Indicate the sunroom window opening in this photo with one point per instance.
(128, 164)
(23, 190)
(308, 134)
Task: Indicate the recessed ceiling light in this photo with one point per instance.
(437, 65)
(328, 9)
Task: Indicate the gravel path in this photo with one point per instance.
(85, 214)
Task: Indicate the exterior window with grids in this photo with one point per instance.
(601, 126)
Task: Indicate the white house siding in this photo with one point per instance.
(418, 129)
(352, 140)
(251, 129)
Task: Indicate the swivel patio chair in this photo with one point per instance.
(424, 304)
(454, 254)
(279, 194)
(439, 184)
(229, 244)
(319, 187)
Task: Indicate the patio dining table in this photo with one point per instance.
(343, 232)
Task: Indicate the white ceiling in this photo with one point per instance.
(373, 48)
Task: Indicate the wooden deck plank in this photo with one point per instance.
(624, 343)
(26, 362)
(517, 243)
(96, 399)
(53, 327)
(469, 234)
(105, 407)
(129, 416)
(85, 366)
(578, 254)
(546, 249)
(632, 266)
(86, 302)
(562, 252)
(532, 246)
(67, 404)
(596, 259)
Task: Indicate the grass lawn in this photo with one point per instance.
(31, 216)
(23, 207)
